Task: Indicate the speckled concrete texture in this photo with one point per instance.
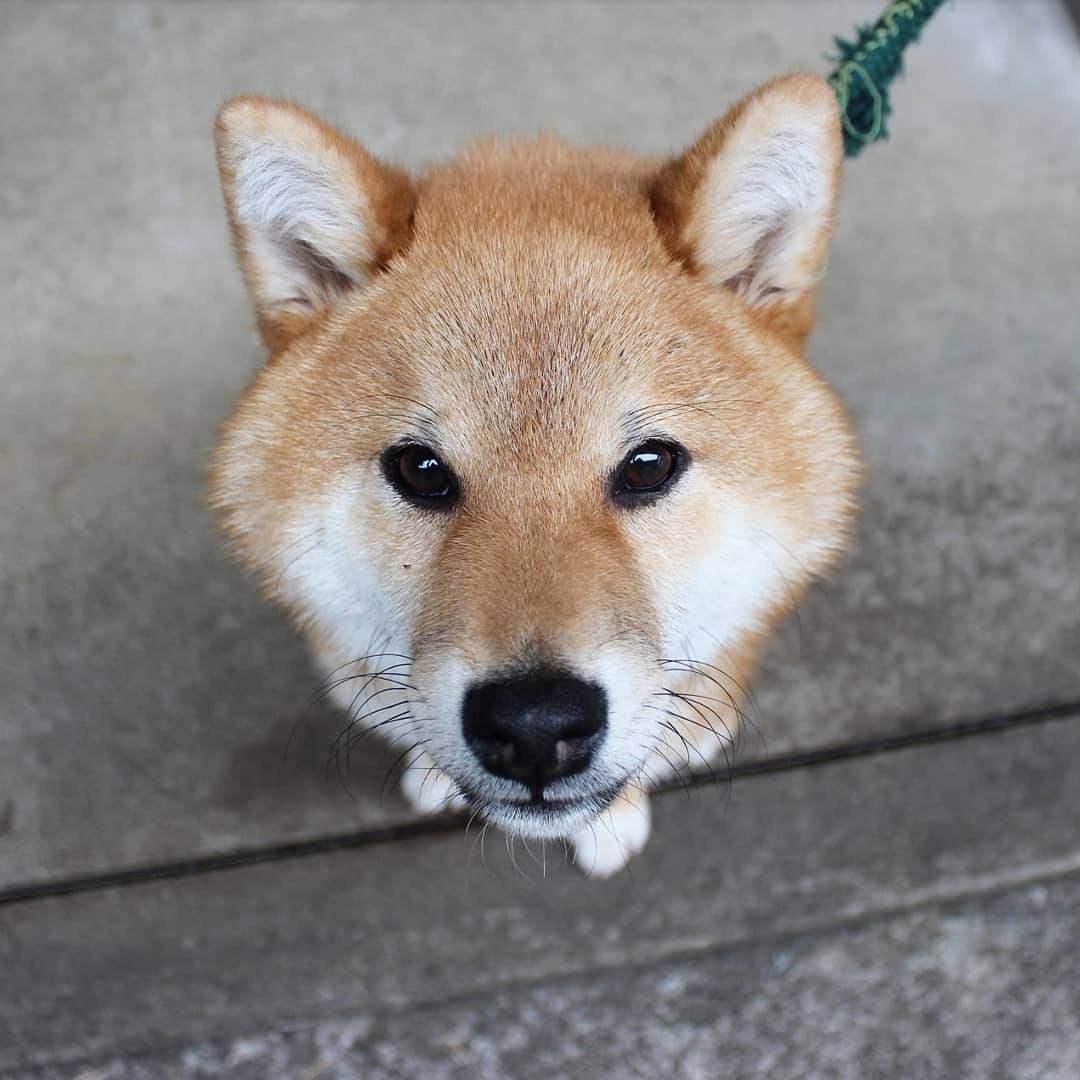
(971, 991)
(400, 925)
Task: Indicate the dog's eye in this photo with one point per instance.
(416, 472)
(646, 471)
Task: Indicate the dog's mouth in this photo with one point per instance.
(541, 817)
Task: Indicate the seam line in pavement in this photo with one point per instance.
(425, 827)
(848, 922)
(340, 1009)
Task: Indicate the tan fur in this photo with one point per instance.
(534, 311)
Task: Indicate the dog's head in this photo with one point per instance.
(537, 435)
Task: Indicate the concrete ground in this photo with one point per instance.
(889, 887)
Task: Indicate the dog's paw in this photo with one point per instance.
(427, 789)
(606, 845)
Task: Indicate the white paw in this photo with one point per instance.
(606, 845)
(428, 789)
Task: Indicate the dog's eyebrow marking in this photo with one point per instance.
(636, 431)
(427, 438)
(648, 421)
(641, 426)
(649, 417)
(423, 419)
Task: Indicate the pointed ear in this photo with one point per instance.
(313, 214)
(749, 207)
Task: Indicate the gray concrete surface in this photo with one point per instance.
(403, 925)
(148, 695)
(944, 992)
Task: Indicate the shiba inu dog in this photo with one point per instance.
(536, 461)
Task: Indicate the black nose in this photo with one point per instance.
(535, 728)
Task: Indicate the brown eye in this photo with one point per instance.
(416, 472)
(646, 471)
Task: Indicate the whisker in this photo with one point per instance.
(397, 761)
(510, 839)
(688, 747)
(383, 676)
(703, 724)
(700, 710)
(292, 562)
(695, 667)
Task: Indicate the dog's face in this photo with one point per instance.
(537, 440)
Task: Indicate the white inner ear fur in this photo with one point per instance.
(303, 221)
(765, 202)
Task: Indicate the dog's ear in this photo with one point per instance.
(313, 213)
(750, 206)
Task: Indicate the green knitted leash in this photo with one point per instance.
(869, 64)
